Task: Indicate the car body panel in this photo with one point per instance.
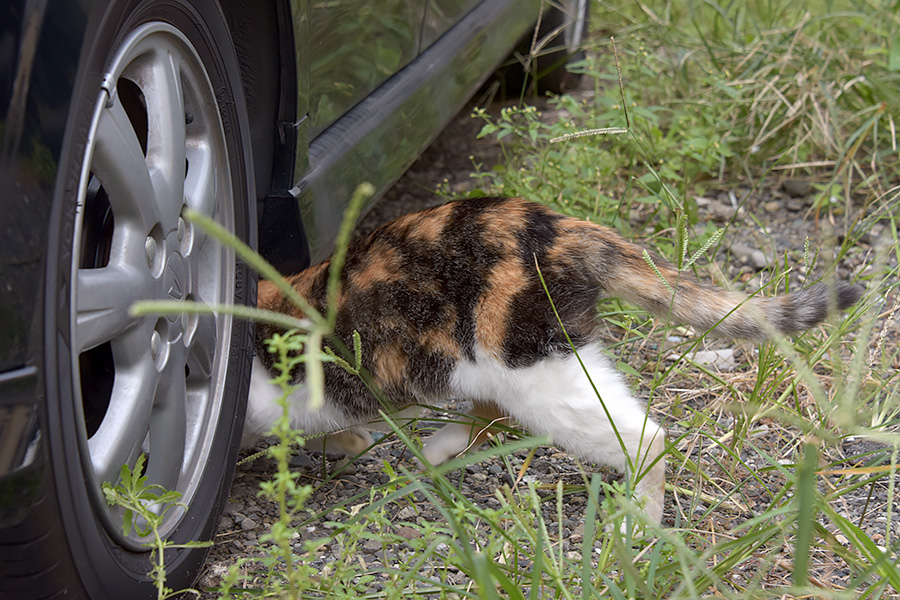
(38, 60)
(441, 15)
(354, 46)
(39, 54)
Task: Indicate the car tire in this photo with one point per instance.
(157, 123)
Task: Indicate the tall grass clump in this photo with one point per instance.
(718, 94)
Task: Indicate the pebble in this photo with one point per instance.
(301, 460)
(794, 205)
(408, 533)
(542, 467)
(797, 187)
(749, 256)
(722, 360)
(406, 513)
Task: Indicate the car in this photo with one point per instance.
(117, 116)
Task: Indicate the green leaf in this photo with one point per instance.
(626, 368)
(127, 522)
(894, 53)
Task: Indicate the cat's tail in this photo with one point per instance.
(658, 287)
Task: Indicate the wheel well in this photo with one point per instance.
(255, 32)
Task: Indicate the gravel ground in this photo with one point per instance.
(784, 221)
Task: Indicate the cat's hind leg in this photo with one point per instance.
(555, 397)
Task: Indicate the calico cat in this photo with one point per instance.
(448, 303)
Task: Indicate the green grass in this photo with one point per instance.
(764, 460)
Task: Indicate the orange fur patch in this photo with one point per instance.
(389, 364)
(429, 230)
(492, 312)
(381, 267)
(440, 341)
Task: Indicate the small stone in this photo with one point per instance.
(541, 467)
(495, 469)
(408, 533)
(371, 546)
(719, 211)
(749, 256)
(247, 523)
(260, 465)
(232, 508)
(406, 513)
(346, 466)
(721, 360)
(794, 205)
(301, 461)
(772, 206)
(796, 187)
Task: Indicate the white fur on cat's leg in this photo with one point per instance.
(455, 438)
(263, 409)
(554, 397)
(652, 486)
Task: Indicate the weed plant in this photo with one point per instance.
(767, 461)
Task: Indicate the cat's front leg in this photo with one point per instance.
(349, 442)
(457, 438)
(264, 407)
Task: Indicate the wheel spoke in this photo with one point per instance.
(202, 349)
(103, 299)
(126, 421)
(120, 166)
(166, 132)
(200, 184)
(168, 425)
(199, 189)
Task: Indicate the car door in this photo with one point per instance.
(355, 45)
(440, 15)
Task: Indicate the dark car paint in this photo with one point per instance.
(39, 52)
(40, 48)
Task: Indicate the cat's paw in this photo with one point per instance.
(349, 442)
(449, 442)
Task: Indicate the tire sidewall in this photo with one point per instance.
(106, 569)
